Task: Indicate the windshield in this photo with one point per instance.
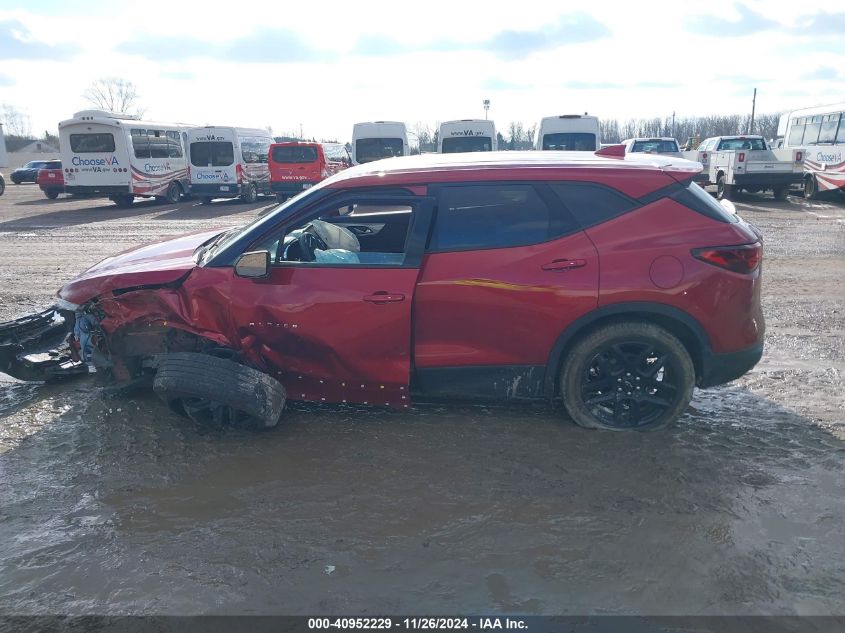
(467, 144)
(212, 154)
(35, 164)
(571, 141)
(742, 143)
(254, 149)
(92, 143)
(294, 154)
(370, 149)
(656, 145)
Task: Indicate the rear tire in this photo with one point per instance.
(280, 197)
(124, 201)
(2, 186)
(811, 188)
(781, 193)
(211, 389)
(52, 195)
(205, 200)
(250, 193)
(723, 189)
(627, 376)
(174, 193)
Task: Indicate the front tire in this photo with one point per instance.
(207, 388)
(250, 194)
(627, 376)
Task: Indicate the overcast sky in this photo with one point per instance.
(328, 64)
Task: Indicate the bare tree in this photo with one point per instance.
(114, 95)
(15, 122)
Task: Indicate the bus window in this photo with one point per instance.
(212, 154)
(829, 124)
(796, 132)
(91, 143)
(571, 141)
(840, 136)
(140, 143)
(174, 144)
(370, 149)
(811, 134)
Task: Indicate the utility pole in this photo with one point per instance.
(300, 131)
(486, 103)
(673, 124)
(753, 107)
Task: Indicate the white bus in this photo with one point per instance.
(820, 132)
(229, 162)
(121, 157)
(466, 135)
(570, 132)
(377, 140)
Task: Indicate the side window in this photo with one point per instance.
(353, 232)
(140, 143)
(796, 132)
(593, 204)
(493, 216)
(158, 144)
(174, 144)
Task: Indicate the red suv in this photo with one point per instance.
(613, 283)
(295, 166)
(51, 180)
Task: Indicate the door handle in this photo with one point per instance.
(384, 297)
(564, 264)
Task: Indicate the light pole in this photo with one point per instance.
(673, 124)
(300, 131)
(486, 103)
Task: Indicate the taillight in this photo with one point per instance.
(739, 259)
(703, 156)
(741, 157)
(799, 156)
(239, 171)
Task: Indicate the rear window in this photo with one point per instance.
(570, 141)
(459, 144)
(92, 143)
(695, 198)
(742, 143)
(294, 154)
(593, 204)
(255, 149)
(370, 149)
(335, 152)
(655, 146)
(212, 154)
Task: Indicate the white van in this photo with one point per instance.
(466, 135)
(120, 156)
(570, 132)
(227, 162)
(377, 140)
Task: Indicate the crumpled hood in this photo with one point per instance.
(150, 265)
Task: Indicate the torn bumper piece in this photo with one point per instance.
(37, 347)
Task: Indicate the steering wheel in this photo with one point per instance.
(308, 242)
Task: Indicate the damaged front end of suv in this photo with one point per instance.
(139, 319)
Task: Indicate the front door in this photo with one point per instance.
(333, 318)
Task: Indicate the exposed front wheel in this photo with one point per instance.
(250, 193)
(211, 389)
(723, 189)
(627, 376)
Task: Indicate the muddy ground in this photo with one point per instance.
(118, 506)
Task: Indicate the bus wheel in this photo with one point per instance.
(250, 194)
(280, 197)
(124, 200)
(205, 200)
(174, 193)
(811, 188)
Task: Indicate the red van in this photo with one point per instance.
(296, 166)
(51, 180)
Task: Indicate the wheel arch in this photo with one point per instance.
(685, 327)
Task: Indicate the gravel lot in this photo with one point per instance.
(118, 506)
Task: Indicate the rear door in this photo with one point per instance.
(213, 157)
(337, 330)
(295, 163)
(506, 270)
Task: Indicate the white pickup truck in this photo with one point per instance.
(735, 163)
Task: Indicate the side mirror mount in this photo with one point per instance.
(253, 265)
